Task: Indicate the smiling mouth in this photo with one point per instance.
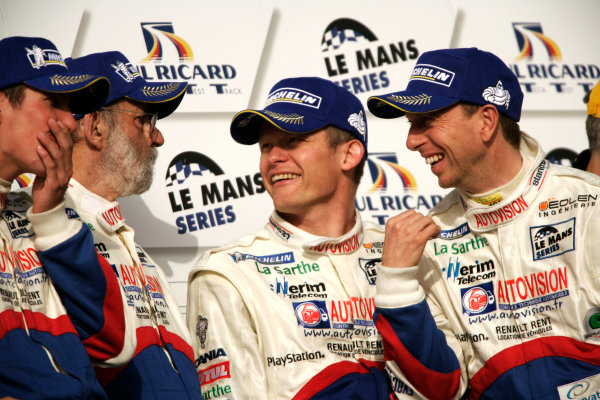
(283, 177)
(434, 159)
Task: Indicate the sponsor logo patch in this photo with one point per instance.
(552, 240)
(312, 314)
(478, 299)
(433, 74)
(270, 259)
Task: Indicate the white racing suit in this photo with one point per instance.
(283, 314)
(513, 288)
(162, 366)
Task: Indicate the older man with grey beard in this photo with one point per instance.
(114, 150)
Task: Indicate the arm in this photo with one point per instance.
(85, 281)
(224, 338)
(413, 339)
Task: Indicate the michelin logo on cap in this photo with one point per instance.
(295, 96)
(126, 71)
(433, 74)
(39, 57)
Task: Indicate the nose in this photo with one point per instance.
(414, 140)
(276, 154)
(157, 138)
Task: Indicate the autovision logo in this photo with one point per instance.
(170, 58)
(354, 55)
(185, 195)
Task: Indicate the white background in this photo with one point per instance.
(269, 40)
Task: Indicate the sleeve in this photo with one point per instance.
(224, 338)
(362, 380)
(86, 284)
(420, 347)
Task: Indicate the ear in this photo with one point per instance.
(490, 117)
(352, 154)
(95, 130)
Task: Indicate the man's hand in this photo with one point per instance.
(54, 149)
(405, 237)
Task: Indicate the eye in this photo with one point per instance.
(264, 147)
(141, 120)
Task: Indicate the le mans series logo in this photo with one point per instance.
(552, 240)
(201, 195)
(171, 58)
(355, 59)
(541, 67)
(393, 189)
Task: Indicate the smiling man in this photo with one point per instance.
(519, 309)
(288, 312)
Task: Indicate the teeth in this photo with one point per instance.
(280, 177)
(432, 159)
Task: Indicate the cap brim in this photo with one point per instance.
(397, 104)
(88, 92)
(162, 98)
(245, 125)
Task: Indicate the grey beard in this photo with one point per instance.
(123, 167)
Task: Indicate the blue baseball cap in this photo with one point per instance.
(125, 81)
(303, 105)
(444, 77)
(37, 63)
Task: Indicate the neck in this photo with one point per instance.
(327, 221)
(87, 171)
(497, 169)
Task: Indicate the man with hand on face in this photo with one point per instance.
(510, 288)
(289, 311)
(114, 150)
(41, 354)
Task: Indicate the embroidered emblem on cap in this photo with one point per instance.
(293, 119)
(127, 72)
(39, 57)
(497, 95)
(59, 80)
(411, 100)
(357, 120)
(296, 96)
(160, 90)
(432, 74)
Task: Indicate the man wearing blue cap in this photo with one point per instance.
(288, 312)
(114, 150)
(41, 354)
(506, 298)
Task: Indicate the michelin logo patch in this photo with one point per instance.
(552, 240)
(270, 259)
(455, 233)
(433, 74)
(295, 96)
